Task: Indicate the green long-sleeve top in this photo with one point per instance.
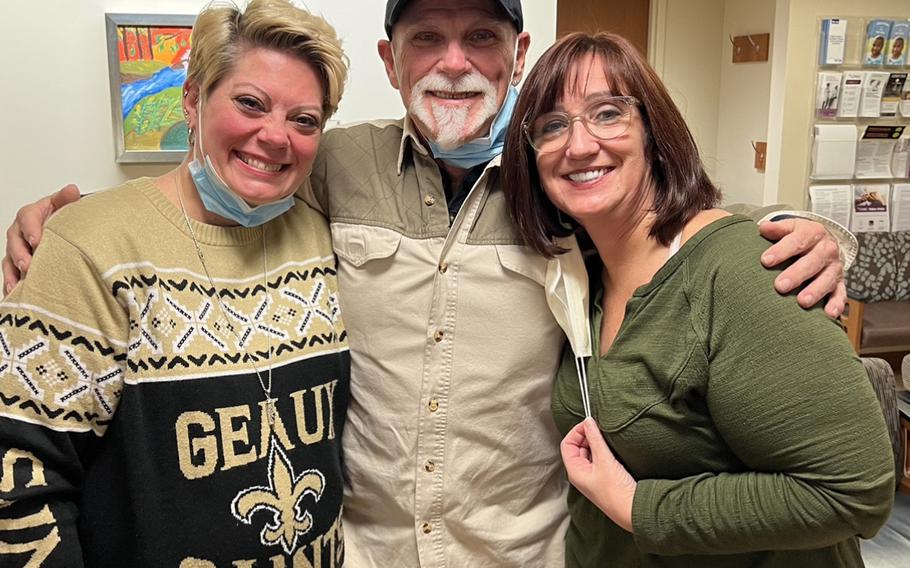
(748, 422)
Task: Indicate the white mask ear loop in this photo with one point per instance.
(514, 82)
(199, 131)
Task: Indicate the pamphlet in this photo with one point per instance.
(833, 151)
(877, 34)
(827, 95)
(850, 92)
(833, 39)
(900, 157)
(904, 106)
(900, 207)
(891, 97)
(870, 208)
(897, 44)
(874, 151)
(832, 201)
(873, 88)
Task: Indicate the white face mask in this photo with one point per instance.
(220, 199)
(567, 297)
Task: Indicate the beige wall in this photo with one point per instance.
(742, 104)
(796, 92)
(55, 98)
(686, 47)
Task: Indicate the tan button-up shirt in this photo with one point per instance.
(450, 447)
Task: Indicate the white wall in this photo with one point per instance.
(742, 117)
(54, 91)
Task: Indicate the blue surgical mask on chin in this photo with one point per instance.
(481, 150)
(221, 200)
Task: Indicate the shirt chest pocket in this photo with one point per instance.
(518, 259)
(359, 244)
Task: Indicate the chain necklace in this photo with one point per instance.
(266, 385)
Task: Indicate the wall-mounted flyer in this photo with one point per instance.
(851, 90)
(870, 208)
(828, 93)
(832, 201)
(900, 207)
(897, 44)
(875, 150)
(833, 151)
(877, 34)
(891, 97)
(873, 87)
(833, 40)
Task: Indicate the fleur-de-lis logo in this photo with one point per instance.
(283, 499)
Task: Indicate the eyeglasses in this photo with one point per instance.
(605, 118)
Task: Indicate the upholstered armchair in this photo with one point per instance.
(878, 289)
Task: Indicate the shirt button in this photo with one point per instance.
(429, 200)
(438, 336)
(427, 528)
(429, 466)
(433, 405)
(443, 267)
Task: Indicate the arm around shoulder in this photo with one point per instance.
(793, 403)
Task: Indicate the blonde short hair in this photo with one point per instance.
(223, 31)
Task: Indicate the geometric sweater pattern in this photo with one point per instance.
(134, 430)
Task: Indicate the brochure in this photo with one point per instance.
(891, 97)
(850, 93)
(904, 106)
(897, 44)
(870, 208)
(833, 39)
(827, 95)
(873, 87)
(833, 151)
(900, 207)
(832, 201)
(877, 34)
(900, 157)
(874, 151)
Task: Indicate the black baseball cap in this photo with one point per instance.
(394, 8)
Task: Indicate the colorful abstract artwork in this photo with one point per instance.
(147, 60)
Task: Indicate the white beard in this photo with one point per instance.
(450, 127)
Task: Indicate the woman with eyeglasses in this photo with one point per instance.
(730, 426)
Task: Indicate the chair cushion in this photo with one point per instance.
(886, 324)
(873, 277)
(902, 265)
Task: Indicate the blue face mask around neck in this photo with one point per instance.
(221, 200)
(483, 149)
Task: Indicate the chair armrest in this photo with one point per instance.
(881, 376)
(852, 318)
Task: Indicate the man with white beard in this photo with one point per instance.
(451, 452)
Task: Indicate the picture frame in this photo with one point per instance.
(147, 59)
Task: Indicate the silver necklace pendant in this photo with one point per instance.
(266, 385)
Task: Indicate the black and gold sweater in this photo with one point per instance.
(134, 430)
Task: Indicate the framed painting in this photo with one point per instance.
(147, 59)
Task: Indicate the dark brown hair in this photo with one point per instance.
(681, 186)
